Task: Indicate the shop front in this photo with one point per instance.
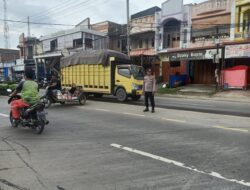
(237, 55)
(147, 59)
(197, 65)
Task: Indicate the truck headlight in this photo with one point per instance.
(136, 87)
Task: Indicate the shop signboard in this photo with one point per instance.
(195, 55)
(237, 51)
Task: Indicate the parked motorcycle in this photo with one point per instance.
(33, 116)
(58, 96)
(43, 83)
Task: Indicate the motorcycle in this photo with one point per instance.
(33, 116)
(43, 83)
(58, 96)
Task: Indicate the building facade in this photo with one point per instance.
(142, 38)
(64, 43)
(203, 35)
(116, 39)
(237, 52)
(241, 18)
(8, 59)
(173, 34)
(28, 48)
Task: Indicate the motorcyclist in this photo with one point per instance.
(54, 86)
(29, 93)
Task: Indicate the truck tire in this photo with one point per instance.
(121, 95)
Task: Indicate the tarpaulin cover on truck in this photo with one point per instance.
(92, 57)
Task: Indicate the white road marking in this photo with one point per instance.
(174, 120)
(232, 129)
(179, 164)
(134, 114)
(3, 115)
(102, 110)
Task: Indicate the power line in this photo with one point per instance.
(64, 10)
(62, 4)
(76, 10)
(133, 25)
(38, 23)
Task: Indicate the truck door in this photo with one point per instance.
(123, 78)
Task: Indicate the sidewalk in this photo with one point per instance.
(233, 95)
(208, 92)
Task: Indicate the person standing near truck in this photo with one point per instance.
(149, 84)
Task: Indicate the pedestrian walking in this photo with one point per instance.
(149, 90)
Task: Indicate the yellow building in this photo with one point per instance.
(242, 19)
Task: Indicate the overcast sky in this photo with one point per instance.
(66, 12)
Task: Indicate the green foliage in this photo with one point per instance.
(164, 89)
(12, 86)
(10, 83)
(4, 87)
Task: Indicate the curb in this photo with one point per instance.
(206, 97)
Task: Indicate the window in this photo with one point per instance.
(118, 44)
(88, 43)
(168, 40)
(21, 50)
(185, 36)
(140, 43)
(153, 42)
(53, 45)
(178, 36)
(124, 72)
(77, 43)
(146, 42)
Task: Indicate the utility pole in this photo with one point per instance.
(28, 26)
(217, 60)
(6, 26)
(128, 29)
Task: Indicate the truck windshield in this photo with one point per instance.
(137, 72)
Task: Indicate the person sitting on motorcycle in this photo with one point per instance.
(73, 89)
(29, 93)
(54, 86)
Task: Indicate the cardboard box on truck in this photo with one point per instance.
(101, 72)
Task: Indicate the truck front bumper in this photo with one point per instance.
(136, 92)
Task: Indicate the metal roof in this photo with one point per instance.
(147, 12)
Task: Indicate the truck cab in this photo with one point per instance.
(128, 82)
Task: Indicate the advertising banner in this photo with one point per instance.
(237, 51)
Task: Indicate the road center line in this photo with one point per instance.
(174, 120)
(3, 115)
(232, 129)
(134, 114)
(179, 164)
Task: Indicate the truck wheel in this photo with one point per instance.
(121, 95)
(136, 97)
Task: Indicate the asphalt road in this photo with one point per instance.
(111, 146)
(198, 105)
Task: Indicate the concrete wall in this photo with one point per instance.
(143, 24)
